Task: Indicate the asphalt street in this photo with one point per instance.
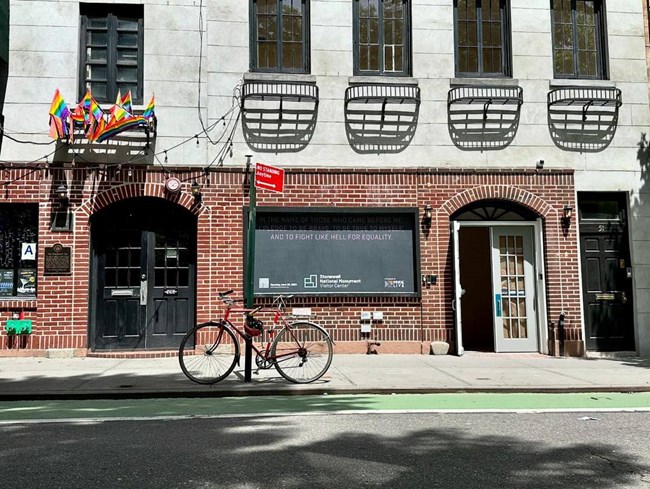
(409, 450)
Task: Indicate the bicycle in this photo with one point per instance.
(301, 351)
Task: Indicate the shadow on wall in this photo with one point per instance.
(583, 119)
(483, 118)
(279, 117)
(381, 118)
(643, 156)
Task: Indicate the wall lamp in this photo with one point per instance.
(567, 213)
(428, 215)
(62, 192)
(539, 164)
(196, 191)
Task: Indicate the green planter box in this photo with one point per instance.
(19, 326)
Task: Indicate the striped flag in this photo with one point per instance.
(151, 108)
(127, 103)
(58, 107)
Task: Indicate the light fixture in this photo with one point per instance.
(62, 192)
(196, 191)
(539, 164)
(428, 214)
(567, 213)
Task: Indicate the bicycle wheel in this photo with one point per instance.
(208, 353)
(302, 352)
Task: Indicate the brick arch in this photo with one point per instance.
(502, 192)
(131, 190)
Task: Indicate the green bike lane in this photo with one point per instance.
(169, 408)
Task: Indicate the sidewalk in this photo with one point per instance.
(43, 378)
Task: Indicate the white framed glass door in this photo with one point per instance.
(458, 289)
(513, 285)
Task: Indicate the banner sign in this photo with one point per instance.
(349, 252)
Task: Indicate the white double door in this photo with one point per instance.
(515, 299)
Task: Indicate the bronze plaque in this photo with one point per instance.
(57, 260)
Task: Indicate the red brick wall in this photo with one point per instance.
(60, 313)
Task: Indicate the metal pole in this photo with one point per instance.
(250, 265)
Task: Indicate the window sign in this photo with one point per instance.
(28, 251)
(18, 249)
(6, 282)
(26, 282)
(349, 252)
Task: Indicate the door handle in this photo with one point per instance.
(453, 301)
(143, 292)
(623, 298)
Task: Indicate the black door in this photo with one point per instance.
(606, 272)
(144, 275)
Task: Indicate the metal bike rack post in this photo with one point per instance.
(250, 254)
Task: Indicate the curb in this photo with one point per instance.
(288, 391)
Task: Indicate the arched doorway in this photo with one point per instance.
(143, 275)
(498, 284)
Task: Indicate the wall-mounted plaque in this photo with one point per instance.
(57, 260)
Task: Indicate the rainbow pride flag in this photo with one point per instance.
(87, 100)
(78, 114)
(58, 129)
(96, 130)
(151, 108)
(127, 102)
(115, 127)
(118, 113)
(96, 110)
(58, 107)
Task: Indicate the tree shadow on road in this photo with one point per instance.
(369, 451)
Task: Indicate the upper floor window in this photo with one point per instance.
(111, 51)
(382, 35)
(18, 238)
(578, 39)
(280, 35)
(482, 38)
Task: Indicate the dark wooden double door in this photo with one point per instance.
(606, 272)
(144, 262)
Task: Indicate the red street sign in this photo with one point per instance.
(269, 177)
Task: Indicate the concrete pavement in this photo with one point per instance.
(86, 377)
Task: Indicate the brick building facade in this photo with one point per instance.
(515, 188)
(64, 305)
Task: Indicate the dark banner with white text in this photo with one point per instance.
(335, 253)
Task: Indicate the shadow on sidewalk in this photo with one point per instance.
(102, 385)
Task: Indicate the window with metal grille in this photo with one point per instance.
(579, 47)
(280, 36)
(18, 238)
(382, 37)
(482, 34)
(111, 51)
